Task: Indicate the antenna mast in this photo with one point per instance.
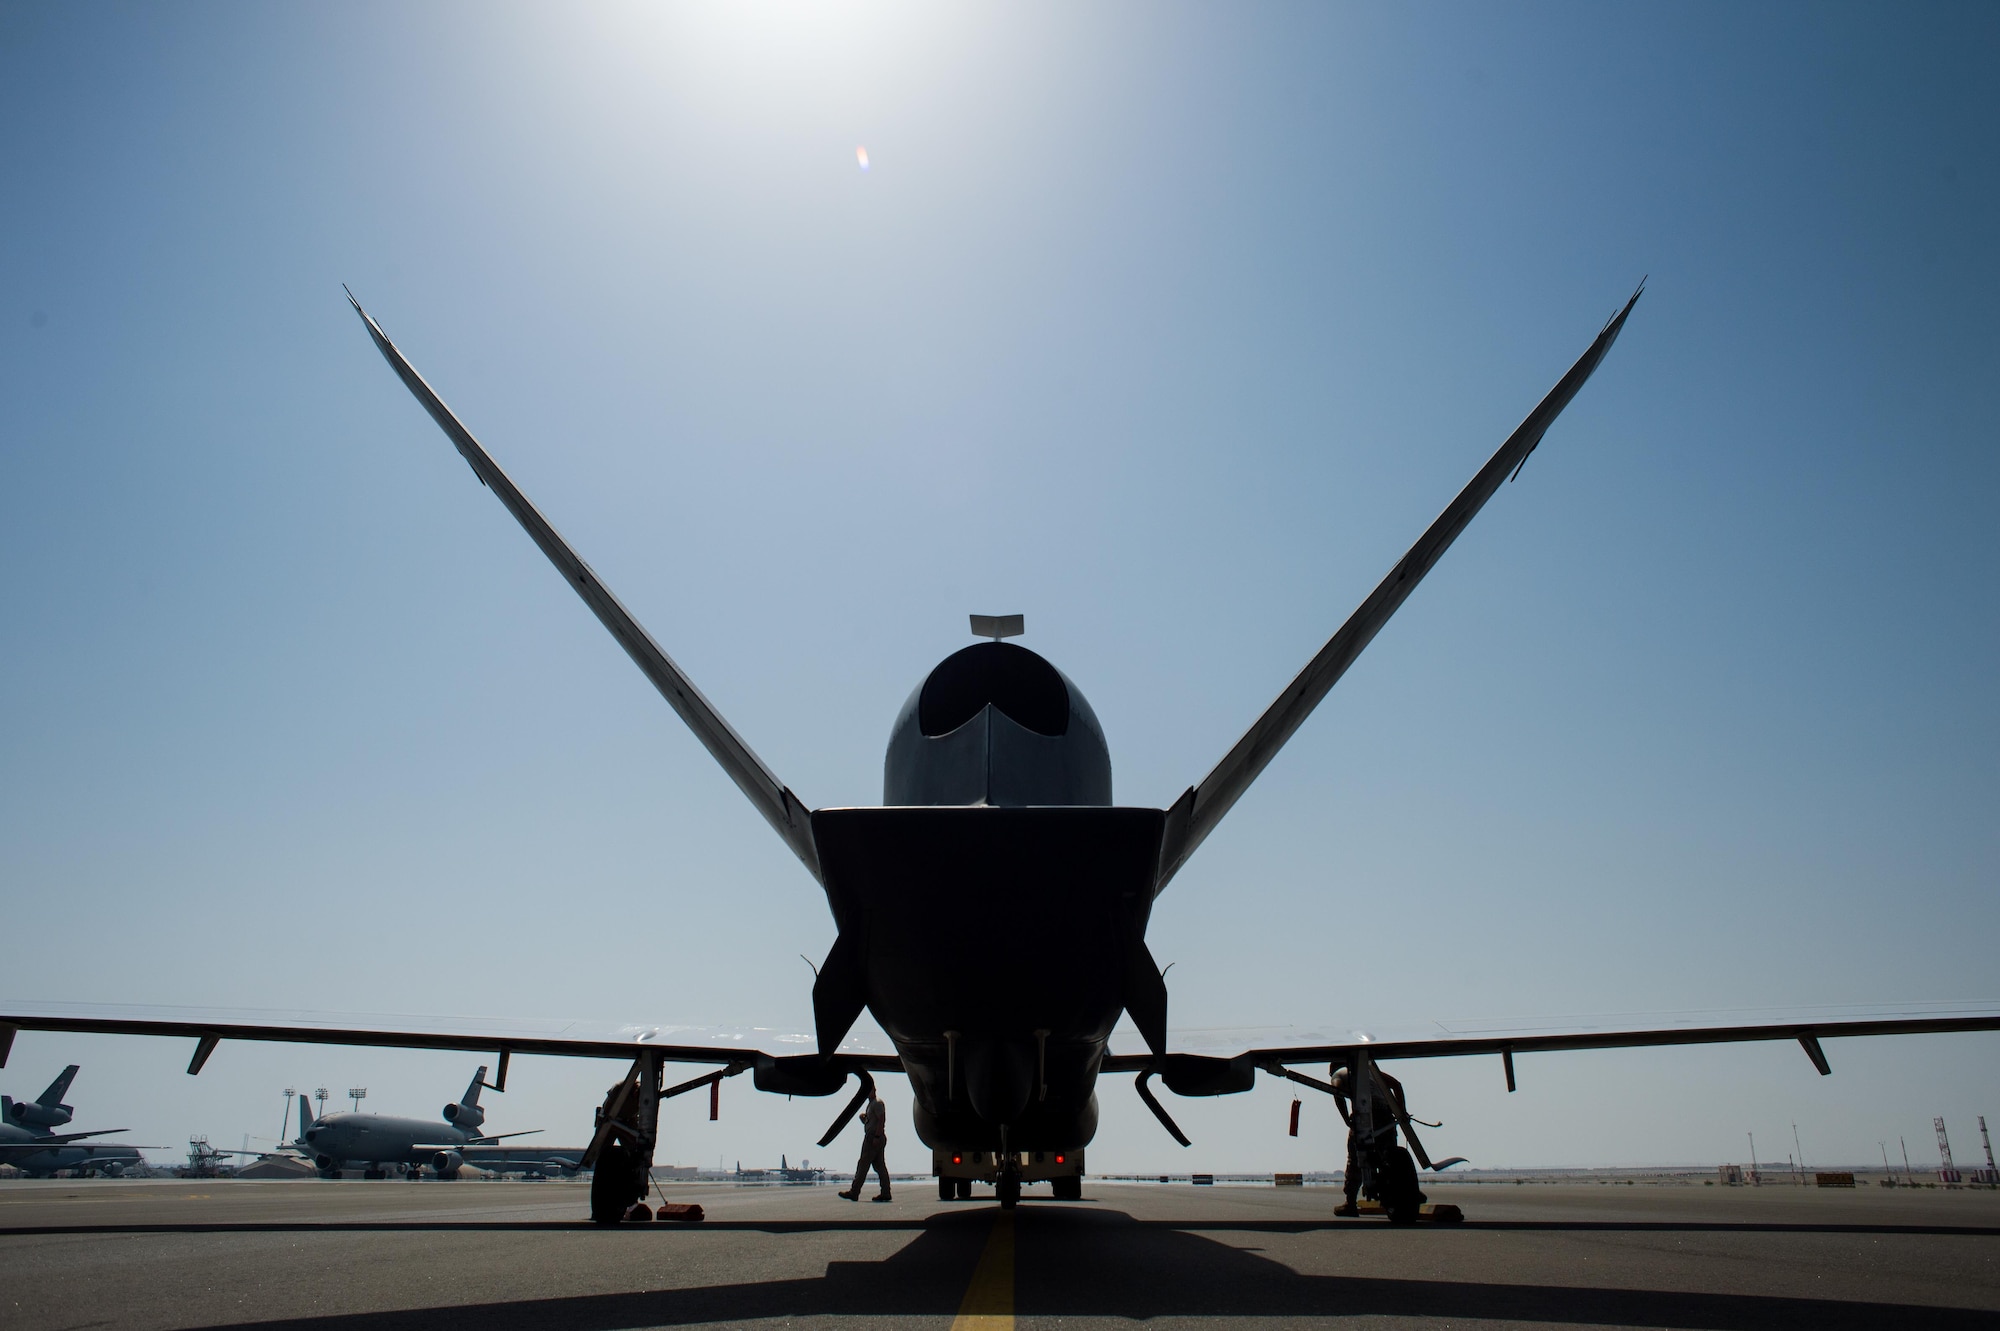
(1947, 1172)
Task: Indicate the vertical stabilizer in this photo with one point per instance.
(305, 1119)
(471, 1097)
(57, 1088)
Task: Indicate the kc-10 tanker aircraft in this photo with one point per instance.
(28, 1143)
(997, 807)
(375, 1140)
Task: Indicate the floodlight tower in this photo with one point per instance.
(1947, 1172)
(357, 1094)
(320, 1095)
(286, 1122)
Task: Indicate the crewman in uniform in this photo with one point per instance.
(874, 1139)
(1385, 1113)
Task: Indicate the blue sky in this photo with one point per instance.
(1170, 327)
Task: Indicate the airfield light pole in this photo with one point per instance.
(286, 1121)
(1947, 1171)
(320, 1095)
(357, 1094)
(1801, 1152)
(1906, 1158)
(1755, 1177)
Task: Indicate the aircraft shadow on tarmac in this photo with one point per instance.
(1075, 1263)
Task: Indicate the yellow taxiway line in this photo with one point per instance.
(989, 1299)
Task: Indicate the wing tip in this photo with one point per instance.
(1617, 320)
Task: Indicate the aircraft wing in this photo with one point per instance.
(780, 807)
(207, 1027)
(1198, 811)
(62, 1139)
(1807, 1026)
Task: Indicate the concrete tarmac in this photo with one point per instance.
(307, 1255)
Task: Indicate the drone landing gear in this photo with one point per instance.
(621, 1152)
(1007, 1187)
(1396, 1188)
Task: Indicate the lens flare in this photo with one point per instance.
(861, 156)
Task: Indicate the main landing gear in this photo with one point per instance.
(1395, 1187)
(621, 1152)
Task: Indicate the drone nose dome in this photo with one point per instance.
(996, 724)
(1026, 689)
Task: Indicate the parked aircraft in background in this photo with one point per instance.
(997, 825)
(27, 1143)
(372, 1141)
(786, 1172)
(564, 1160)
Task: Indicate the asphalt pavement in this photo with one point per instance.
(308, 1255)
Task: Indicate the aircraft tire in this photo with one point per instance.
(611, 1190)
(947, 1188)
(1008, 1189)
(1401, 1197)
(1068, 1188)
(964, 1189)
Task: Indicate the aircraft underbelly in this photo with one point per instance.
(991, 946)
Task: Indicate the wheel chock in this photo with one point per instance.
(638, 1213)
(685, 1212)
(1436, 1213)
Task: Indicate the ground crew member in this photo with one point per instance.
(874, 1139)
(1386, 1113)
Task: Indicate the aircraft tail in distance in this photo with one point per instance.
(305, 1119)
(471, 1097)
(57, 1088)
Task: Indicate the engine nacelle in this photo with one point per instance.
(30, 1115)
(446, 1163)
(324, 1163)
(469, 1117)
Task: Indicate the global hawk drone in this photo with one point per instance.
(997, 810)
